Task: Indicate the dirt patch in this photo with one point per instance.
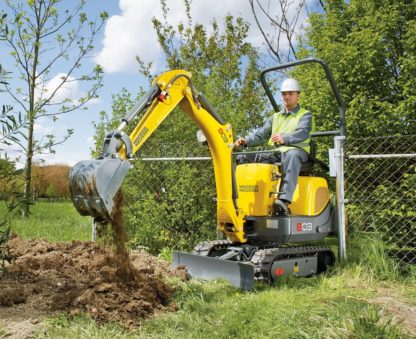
(395, 304)
(83, 277)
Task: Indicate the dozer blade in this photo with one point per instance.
(239, 274)
(94, 183)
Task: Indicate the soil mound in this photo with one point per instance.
(82, 276)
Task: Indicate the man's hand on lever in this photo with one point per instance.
(240, 142)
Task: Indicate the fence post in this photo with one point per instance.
(339, 164)
(93, 230)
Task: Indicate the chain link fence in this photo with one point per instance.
(175, 206)
(380, 176)
(176, 203)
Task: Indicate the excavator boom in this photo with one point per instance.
(94, 183)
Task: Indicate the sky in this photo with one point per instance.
(127, 33)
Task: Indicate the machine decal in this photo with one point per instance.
(274, 224)
(248, 188)
(304, 226)
(140, 136)
(223, 136)
(279, 271)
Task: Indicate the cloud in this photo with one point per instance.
(42, 130)
(69, 90)
(131, 33)
(90, 140)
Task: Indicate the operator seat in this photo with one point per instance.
(307, 167)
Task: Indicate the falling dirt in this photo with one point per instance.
(107, 282)
(125, 270)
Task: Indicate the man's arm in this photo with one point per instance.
(262, 135)
(302, 131)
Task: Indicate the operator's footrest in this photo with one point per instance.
(239, 274)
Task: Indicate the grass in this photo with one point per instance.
(3, 332)
(53, 221)
(339, 304)
(322, 307)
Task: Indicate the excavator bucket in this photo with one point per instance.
(93, 184)
(238, 274)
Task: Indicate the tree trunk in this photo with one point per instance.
(31, 117)
(27, 193)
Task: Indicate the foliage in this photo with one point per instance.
(11, 197)
(387, 214)
(42, 36)
(173, 204)
(370, 48)
(4, 248)
(10, 126)
(50, 181)
(370, 252)
(381, 193)
(224, 65)
(121, 104)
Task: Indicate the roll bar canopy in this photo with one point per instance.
(341, 105)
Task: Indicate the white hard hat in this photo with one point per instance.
(290, 85)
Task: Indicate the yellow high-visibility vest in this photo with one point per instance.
(287, 123)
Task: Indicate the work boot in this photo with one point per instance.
(281, 206)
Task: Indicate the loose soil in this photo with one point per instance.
(107, 282)
(82, 277)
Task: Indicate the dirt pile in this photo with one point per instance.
(82, 276)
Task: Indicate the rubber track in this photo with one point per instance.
(204, 248)
(263, 259)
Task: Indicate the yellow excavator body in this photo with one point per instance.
(258, 183)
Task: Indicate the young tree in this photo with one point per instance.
(10, 124)
(43, 38)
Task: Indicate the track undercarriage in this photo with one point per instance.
(264, 262)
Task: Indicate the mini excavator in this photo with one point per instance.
(259, 245)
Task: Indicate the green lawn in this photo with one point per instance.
(341, 305)
(53, 221)
(363, 299)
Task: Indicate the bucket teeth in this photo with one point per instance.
(93, 184)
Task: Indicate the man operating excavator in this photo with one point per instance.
(289, 130)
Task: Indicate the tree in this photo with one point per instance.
(285, 18)
(224, 65)
(41, 38)
(370, 47)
